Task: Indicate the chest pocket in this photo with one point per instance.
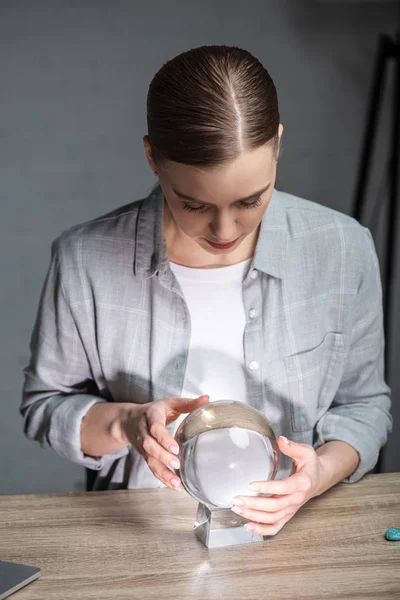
(313, 378)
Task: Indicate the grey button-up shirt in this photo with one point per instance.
(113, 325)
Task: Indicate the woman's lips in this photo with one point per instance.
(221, 246)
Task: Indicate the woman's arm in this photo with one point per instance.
(109, 427)
(360, 412)
(59, 392)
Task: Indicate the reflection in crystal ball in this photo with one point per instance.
(224, 446)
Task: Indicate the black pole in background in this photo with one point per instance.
(371, 126)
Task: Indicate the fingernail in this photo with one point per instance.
(237, 509)
(249, 527)
(284, 439)
(174, 449)
(175, 464)
(175, 482)
(237, 501)
(254, 487)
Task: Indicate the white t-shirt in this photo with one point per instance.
(216, 357)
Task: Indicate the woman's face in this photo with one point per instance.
(219, 208)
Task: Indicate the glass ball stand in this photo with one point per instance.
(224, 446)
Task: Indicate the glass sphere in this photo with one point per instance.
(224, 446)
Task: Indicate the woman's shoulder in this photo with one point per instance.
(309, 219)
(329, 234)
(117, 222)
(115, 230)
(301, 211)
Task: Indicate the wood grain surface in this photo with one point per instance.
(140, 544)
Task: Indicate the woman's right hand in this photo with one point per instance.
(145, 429)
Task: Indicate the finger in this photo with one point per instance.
(260, 516)
(263, 529)
(148, 446)
(273, 504)
(153, 448)
(186, 405)
(142, 433)
(299, 452)
(295, 483)
(164, 474)
(160, 433)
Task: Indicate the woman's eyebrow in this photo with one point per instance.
(191, 199)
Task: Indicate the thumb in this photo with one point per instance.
(299, 452)
(186, 405)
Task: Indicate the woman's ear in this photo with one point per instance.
(149, 154)
(279, 146)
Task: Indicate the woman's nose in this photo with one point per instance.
(224, 229)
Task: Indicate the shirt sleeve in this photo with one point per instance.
(58, 389)
(360, 411)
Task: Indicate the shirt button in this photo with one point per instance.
(252, 313)
(253, 274)
(253, 366)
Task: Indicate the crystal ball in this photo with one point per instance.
(224, 446)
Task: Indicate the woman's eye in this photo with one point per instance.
(254, 204)
(191, 208)
(203, 208)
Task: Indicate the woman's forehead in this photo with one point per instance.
(245, 178)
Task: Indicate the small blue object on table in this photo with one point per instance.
(393, 534)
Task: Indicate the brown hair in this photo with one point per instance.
(207, 105)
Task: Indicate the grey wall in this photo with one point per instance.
(74, 78)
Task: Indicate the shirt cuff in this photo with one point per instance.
(332, 427)
(65, 431)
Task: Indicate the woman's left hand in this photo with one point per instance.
(267, 516)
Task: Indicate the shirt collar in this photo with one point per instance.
(151, 252)
(270, 253)
(150, 247)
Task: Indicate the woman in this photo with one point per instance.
(214, 286)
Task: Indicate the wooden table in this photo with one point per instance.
(140, 544)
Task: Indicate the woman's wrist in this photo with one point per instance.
(105, 427)
(122, 424)
(337, 461)
(117, 429)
